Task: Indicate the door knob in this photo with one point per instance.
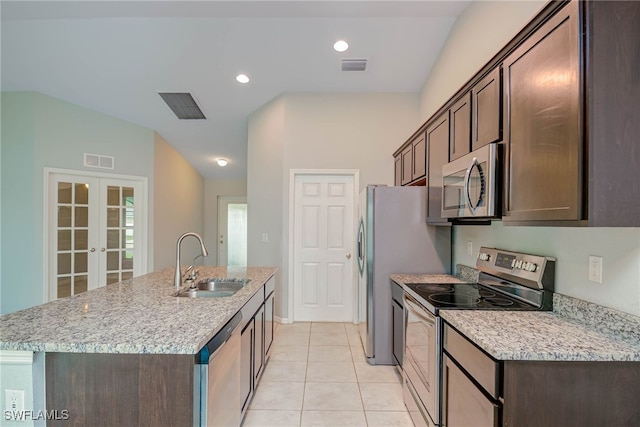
(349, 256)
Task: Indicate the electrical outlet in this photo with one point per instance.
(265, 238)
(595, 269)
(470, 248)
(14, 400)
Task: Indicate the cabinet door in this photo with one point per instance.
(398, 331)
(269, 306)
(460, 141)
(258, 350)
(438, 155)
(397, 162)
(486, 105)
(419, 158)
(246, 365)
(464, 403)
(407, 164)
(542, 110)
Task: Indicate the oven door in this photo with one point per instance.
(469, 185)
(422, 363)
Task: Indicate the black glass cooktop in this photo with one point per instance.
(466, 296)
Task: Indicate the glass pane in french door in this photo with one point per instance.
(71, 246)
(120, 214)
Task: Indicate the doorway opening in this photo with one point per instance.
(232, 231)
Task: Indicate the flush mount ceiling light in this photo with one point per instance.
(242, 78)
(341, 46)
(222, 162)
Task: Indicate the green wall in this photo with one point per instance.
(39, 131)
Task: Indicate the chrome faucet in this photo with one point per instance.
(177, 277)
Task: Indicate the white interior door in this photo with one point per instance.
(323, 241)
(232, 230)
(96, 232)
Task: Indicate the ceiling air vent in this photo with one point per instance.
(183, 105)
(354, 65)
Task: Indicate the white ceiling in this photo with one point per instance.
(115, 56)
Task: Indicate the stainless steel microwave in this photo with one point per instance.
(470, 184)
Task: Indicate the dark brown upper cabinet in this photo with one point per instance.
(572, 104)
(437, 136)
(397, 170)
(486, 110)
(544, 138)
(410, 162)
(563, 96)
(460, 136)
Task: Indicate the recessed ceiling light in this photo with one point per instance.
(242, 78)
(222, 162)
(341, 45)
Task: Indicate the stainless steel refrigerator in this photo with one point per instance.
(393, 237)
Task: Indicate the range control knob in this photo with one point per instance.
(513, 263)
(532, 267)
(484, 256)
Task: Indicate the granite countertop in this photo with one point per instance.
(138, 315)
(575, 331)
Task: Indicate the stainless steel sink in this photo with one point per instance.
(214, 288)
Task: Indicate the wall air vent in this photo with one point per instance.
(98, 161)
(354, 65)
(183, 105)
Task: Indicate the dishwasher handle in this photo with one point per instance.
(219, 340)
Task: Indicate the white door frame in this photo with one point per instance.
(355, 173)
(144, 210)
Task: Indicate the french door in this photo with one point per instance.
(96, 232)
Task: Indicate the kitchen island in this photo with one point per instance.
(124, 354)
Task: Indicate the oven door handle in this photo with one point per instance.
(419, 311)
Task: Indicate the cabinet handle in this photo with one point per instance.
(349, 256)
(102, 249)
(92, 250)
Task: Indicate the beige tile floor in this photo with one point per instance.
(318, 376)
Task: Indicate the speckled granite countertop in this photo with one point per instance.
(138, 315)
(575, 331)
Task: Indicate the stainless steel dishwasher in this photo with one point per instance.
(217, 379)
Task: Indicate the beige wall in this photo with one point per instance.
(479, 33)
(214, 188)
(178, 193)
(316, 131)
(265, 152)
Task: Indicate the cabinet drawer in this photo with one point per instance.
(478, 364)
(252, 306)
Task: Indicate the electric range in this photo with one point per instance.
(507, 281)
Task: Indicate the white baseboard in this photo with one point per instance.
(283, 320)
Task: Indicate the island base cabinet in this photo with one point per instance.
(120, 389)
(571, 394)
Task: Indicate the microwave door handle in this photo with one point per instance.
(467, 191)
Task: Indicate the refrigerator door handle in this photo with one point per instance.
(360, 247)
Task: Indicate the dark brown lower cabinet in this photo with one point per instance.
(571, 394)
(120, 389)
